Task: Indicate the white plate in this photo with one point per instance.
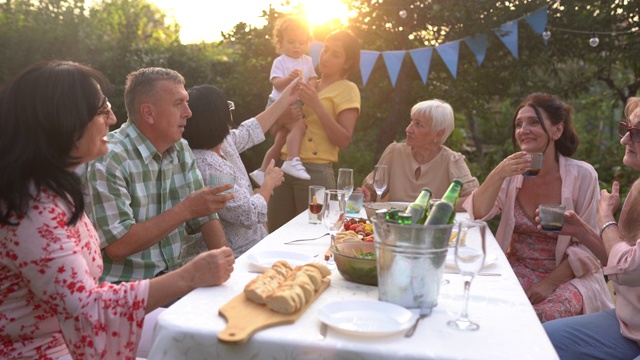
(264, 259)
(366, 317)
(450, 263)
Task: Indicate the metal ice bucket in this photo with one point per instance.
(410, 261)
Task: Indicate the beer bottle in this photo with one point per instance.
(450, 197)
(405, 219)
(393, 215)
(453, 192)
(418, 208)
(441, 213)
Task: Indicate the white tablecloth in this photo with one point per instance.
(509, 328)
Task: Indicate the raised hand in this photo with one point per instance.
(207, 201)
(609, 203)
(514, 164)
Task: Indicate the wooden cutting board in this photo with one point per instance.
(244, 317)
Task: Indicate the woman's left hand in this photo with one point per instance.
(608, 204)
(539, 291)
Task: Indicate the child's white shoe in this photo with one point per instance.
(257, 176)
(295, 168)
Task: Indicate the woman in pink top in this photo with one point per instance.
(53, 117)
(615, 333)
(561, 278)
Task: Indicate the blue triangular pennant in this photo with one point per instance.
(449, 54)
(508, 33)
(422, 59)
(537, 20)
(367, 61)
(393, 60)
(478, 45)
(315, 48)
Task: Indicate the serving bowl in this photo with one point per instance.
(371, 207)
(353, 266)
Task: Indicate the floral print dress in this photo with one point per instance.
(51, 304)
(532, 257)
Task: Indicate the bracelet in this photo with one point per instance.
(605, 226)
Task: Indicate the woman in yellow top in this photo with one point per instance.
(330, 113)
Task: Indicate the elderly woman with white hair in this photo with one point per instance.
(423, 160)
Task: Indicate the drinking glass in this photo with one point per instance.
(345, 181)
(380, 179)
(316, 199)
(333, 213)
(469, 255)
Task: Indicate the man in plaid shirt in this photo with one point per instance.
(146, 193)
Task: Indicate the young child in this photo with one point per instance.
(291, 38)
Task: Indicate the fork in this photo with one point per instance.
(298, 240)
(410, 332)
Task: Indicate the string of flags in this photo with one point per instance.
(448, 52)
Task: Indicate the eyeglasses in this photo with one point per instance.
(105, 110)
(624, 128)
(232, 106)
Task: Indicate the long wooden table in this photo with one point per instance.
(509, 328)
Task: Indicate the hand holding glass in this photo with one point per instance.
(380, 180)
(222, 179)
(469, 255)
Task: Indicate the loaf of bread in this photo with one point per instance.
(286, 290)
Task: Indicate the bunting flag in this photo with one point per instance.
(314, 51)
(368, 59)
(478, 45)
(393, 60)
(449, 54)
(508, 33)
(422, 60)
(538, 20)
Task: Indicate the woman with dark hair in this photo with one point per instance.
(53, 118)
(331, 109)
(217, 149)
(560, 276)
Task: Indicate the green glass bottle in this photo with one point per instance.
(453, 192)
(418, 208)
(404, 218)
(441, 213)
(392, 215)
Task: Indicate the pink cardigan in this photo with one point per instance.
(623, 269)
(580, 192)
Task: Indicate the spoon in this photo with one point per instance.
(298, 240)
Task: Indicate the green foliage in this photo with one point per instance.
(119, 36)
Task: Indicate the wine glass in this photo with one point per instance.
(345, 181)
(470, 253)
(333, 213)
(380, 179)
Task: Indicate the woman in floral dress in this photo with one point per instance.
(216, 148)
(54, 117)
(560, 276)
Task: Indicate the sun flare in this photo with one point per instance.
(319, 13)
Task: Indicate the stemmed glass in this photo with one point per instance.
(380, 179)
(333, 213)
(469, 254)
(345, 181)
